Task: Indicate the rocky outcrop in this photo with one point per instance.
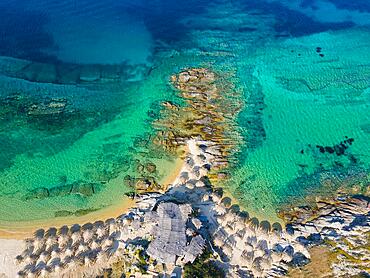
(343, 224)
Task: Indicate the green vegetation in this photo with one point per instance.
(203, 267)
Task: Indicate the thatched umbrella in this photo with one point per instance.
(252, 240)
(102, 231)
(226, 202)
(215, 198)
(55, 253)
(265, 226)
(40, 233)
(76, 237)
(289, 250)
(243, 216)
(19, 259)
(276, 257)
(114, 227)
(88, 262)
(51, 232)
(248, 248)
(82, 248)
(31, 259)
(53, 262)
(235, 209)
(190, 185)
(38, 244)
(53, 247)
(219, 192)
(88, 235)
(28, 269)
(63, 240)
(75, 228)
(64, 230)
(21, 274)
(107, 242)
(31, 275)
(277, 228)
(73, 264)
(262, 245)
(44, 256)
(99, 223)
(28, 243)
(259, 253)
(50, 241)
(257, 265)
(254, 223)
(95, 245)
(69, 252)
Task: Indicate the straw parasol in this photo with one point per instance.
(88, 262)
(265, 226)
(277, 228)
(69, 252)
(101, 231)
(64, 230)
(95, 245)
(21, 274)
(44, 256)
(226, 202)
(19, 259)
(63, 240)
(40, 233)
(88, 235)
(51, 232)
(50, 241)
(76, 237)
(38, 244)
(254, 223)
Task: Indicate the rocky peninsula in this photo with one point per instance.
(193, 221)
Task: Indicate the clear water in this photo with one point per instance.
(302, 67)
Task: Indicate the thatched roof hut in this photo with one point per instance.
(170, 235)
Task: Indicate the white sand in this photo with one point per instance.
(9, 249)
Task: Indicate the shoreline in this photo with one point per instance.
(23, 229)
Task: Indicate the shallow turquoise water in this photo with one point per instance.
(80, 84)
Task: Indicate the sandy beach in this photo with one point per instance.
(12, 234)
(10, 248)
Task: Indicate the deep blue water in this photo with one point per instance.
(24, 34)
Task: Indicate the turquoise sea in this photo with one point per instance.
(82, 81)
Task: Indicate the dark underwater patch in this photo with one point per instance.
(293, 23)
(22, 34)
